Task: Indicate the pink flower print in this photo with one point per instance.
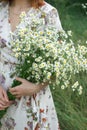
(44, 120)
(41, 110)
(30, 124)
(25, 128)
(37, 126)
(10, 123)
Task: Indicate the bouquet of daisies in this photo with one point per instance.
(46, 55)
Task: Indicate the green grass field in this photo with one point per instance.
(71, 108)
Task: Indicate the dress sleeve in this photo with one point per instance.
(52, 19)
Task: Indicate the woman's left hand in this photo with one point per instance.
(25, 89)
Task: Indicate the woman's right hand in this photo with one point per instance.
(4, 101)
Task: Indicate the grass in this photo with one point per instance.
(71, 108)
(74, 19)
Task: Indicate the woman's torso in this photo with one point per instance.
(7, 60)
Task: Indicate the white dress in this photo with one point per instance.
(29, 113)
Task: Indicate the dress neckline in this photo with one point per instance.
(30, 9)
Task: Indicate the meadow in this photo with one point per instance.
(72, 108)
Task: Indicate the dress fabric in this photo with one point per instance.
(35, 112)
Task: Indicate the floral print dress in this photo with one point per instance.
(35, 112)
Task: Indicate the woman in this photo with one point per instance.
(34, 108)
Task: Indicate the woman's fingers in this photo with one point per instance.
(13, 90)
(20, 79)
(18, 96)
(2, 98)
(14, 93)
(2, 103)
(5, 96)
(3, 107)
(11, 102)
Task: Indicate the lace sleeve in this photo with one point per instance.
(52, 19)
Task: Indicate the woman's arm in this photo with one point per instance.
(26, 88)
(53, 19)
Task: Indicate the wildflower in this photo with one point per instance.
(62, 87)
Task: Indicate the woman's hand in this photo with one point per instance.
(25, 89)
(4, 101)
